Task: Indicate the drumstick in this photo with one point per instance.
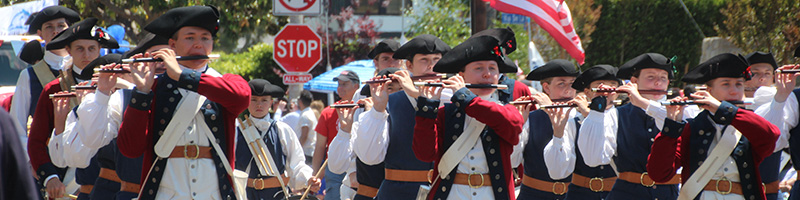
(179, 58)
(468, 85)
(315, 176)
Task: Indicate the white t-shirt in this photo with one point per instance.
(308, 119)
(292, 119)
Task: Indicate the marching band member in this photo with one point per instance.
(761, 87)
(557, 77)
(491, 129)
(188, 149)
(721, 148)
(280, 142)
(622, 136)
(508, 41)
(77, 146)
(386, 131)
(342, 159)
(83, 41)
(47, 24)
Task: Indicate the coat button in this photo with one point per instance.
(425, 109)
(189, 86)
(701, 132)
(494, 163)
(163, 121)
(705, 141)
(499, 189)
(213, 117)
(144, 104)
(458, 115)
(730, 109)
(455, 137)
(175, 92)
(133, 100)
(456, 125)
(722, 118)
(491, 151)
(458, 104)
(160, 132)
(214, 129)
(744, 164)
(649, 130)
(156, 168)
(169, 85)
(172, 99)
(666, 129)
(166, 110)
(488, 138)
(497, 176)
(444, 188)
(208, 106)
(701, 151)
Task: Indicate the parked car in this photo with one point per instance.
(10, 64)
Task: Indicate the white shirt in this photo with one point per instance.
(341, 158)
(784, 115)
(296, 167)
(603, 127)
(308, 119)
(559, 153)
(292, 119)
(372, 137)
(21, 103)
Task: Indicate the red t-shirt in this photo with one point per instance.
(326, 125)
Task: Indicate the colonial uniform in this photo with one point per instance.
(771, 166)
(342, 159)
(485, 171)
(386, 137)
(627, 133)
(690, 144)
(508, 41)
(194, 169)
(43, 121)
(281, 143)
(32, 80)
(536, 134)
(84, 147)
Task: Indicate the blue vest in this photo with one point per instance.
(36, 87)
(454, 126)
(399, 153)
(167, 97)
(540, 133)
(635, 135)
(244, 158)
(742, 154)
(794, 150)
(602, 171)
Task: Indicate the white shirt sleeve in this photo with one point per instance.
(277, 115)
(517, 153)
(783, 115)
(559, 153)
(69, 149)
(21, 103)
(598, 141)
(296, 167)
(372, 137)
(340, 152)
(105, 113)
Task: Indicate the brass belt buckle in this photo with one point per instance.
(430, 177)
(641, 180)
(730, 186)
(602, 184)
(256, 186)
(186, 152)
(469, 180)
(563, 185)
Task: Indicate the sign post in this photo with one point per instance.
(297, 50)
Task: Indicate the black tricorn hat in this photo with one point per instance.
(51, 13)
(597, 72)
(761, 57)
(505, 35)
(385, 46)
(722, 65)
(166, 25)
(422, 44)
(86, 30)
(149, 40)
(557, 67)
(646, 60)
(32, 52)
(87, 71)
(479, 48)
(261, 87)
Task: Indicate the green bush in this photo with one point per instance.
(254, 63)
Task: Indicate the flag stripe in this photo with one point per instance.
(546, 14)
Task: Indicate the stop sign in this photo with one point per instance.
(297, 48)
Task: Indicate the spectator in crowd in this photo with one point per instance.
(306, 124)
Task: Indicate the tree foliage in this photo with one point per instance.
(254, 63)
(246, 20)
(628, 28)
(348, 41)
(446, 19)
(763, 25)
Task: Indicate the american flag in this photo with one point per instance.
(552, 15)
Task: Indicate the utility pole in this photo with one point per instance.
(478, 14)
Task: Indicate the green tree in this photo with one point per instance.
(254, 63)
(763, 25)
(628, 28)
(446, 19)
(248, 20)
